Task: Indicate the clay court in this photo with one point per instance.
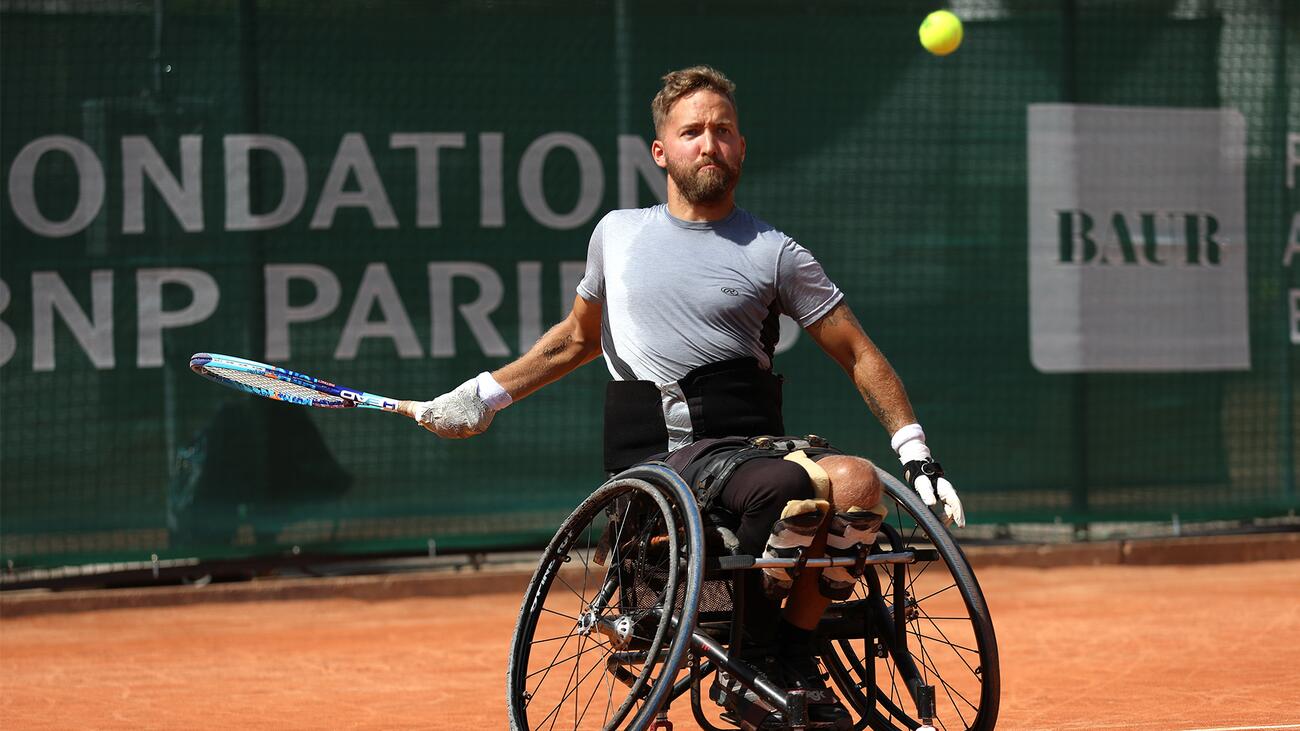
(1083, 647)
(265, 264)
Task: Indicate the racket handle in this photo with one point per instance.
(406, 408)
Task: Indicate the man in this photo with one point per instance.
(682, 299)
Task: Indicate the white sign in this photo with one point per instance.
(1137, 239)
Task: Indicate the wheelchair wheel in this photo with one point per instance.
(606, 620)
(929, 651)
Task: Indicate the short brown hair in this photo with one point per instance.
(685, 82)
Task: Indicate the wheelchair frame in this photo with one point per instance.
(594, 623)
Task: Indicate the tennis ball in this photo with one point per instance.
(941, 32)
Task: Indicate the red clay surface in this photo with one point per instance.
(1109, 647)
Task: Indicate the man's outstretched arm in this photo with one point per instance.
(839, 334)
(574, 341)
(469, 408)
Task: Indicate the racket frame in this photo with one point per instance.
(343, 398)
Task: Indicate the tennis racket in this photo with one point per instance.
(289, 386)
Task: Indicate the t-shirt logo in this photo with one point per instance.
(730, 292)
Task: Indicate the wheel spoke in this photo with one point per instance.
(950, 691)
(569, 617)
(560, 661)
(940, 639)
(546, 670)
(579, 594)
(945, 639)
(603, 679)
(560, 638)
(933, 594)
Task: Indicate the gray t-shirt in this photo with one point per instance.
(678, 295)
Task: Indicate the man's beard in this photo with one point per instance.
(704, 186)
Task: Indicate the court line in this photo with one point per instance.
(1246, 728)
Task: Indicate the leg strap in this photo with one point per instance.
(851, 535)
(791, 536)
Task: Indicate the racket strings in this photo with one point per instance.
(272, 385)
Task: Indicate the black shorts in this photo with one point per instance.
(752, 497)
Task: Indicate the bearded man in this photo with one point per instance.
(682, 299)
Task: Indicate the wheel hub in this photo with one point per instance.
(617, 629)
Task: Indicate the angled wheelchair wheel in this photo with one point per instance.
(915, 642)
(606, 620)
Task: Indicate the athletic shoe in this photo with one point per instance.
(742, 706)
(825, 711)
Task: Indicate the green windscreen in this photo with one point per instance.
(395, 196)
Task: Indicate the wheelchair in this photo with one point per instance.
(638, 598)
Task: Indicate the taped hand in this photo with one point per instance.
(456, 414)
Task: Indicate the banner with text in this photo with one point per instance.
(1137, 239)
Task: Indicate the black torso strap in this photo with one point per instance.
(725, 399)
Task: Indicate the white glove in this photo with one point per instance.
(925, 475)
(465, 411)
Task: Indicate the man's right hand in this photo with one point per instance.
(457, 414)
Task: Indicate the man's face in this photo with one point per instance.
(701, 147)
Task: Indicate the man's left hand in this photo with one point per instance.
(926, 477)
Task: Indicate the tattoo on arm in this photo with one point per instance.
(875, 379)
(551, 351)
(873, 405)
(840, 313)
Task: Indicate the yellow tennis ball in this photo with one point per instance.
(941, 32)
